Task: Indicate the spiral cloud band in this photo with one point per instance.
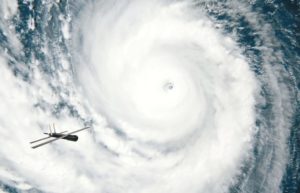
(181, 96)
(178, 90)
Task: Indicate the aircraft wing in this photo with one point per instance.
(50, 141)
(45, 138)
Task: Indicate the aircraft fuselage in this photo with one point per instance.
(68, 137)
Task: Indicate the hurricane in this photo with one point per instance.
(198, 96)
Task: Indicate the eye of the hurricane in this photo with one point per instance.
(168, 86)
(148, 107)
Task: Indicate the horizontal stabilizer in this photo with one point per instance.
(45, 137)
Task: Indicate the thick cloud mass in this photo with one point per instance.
(175, 102)
(175, 135)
